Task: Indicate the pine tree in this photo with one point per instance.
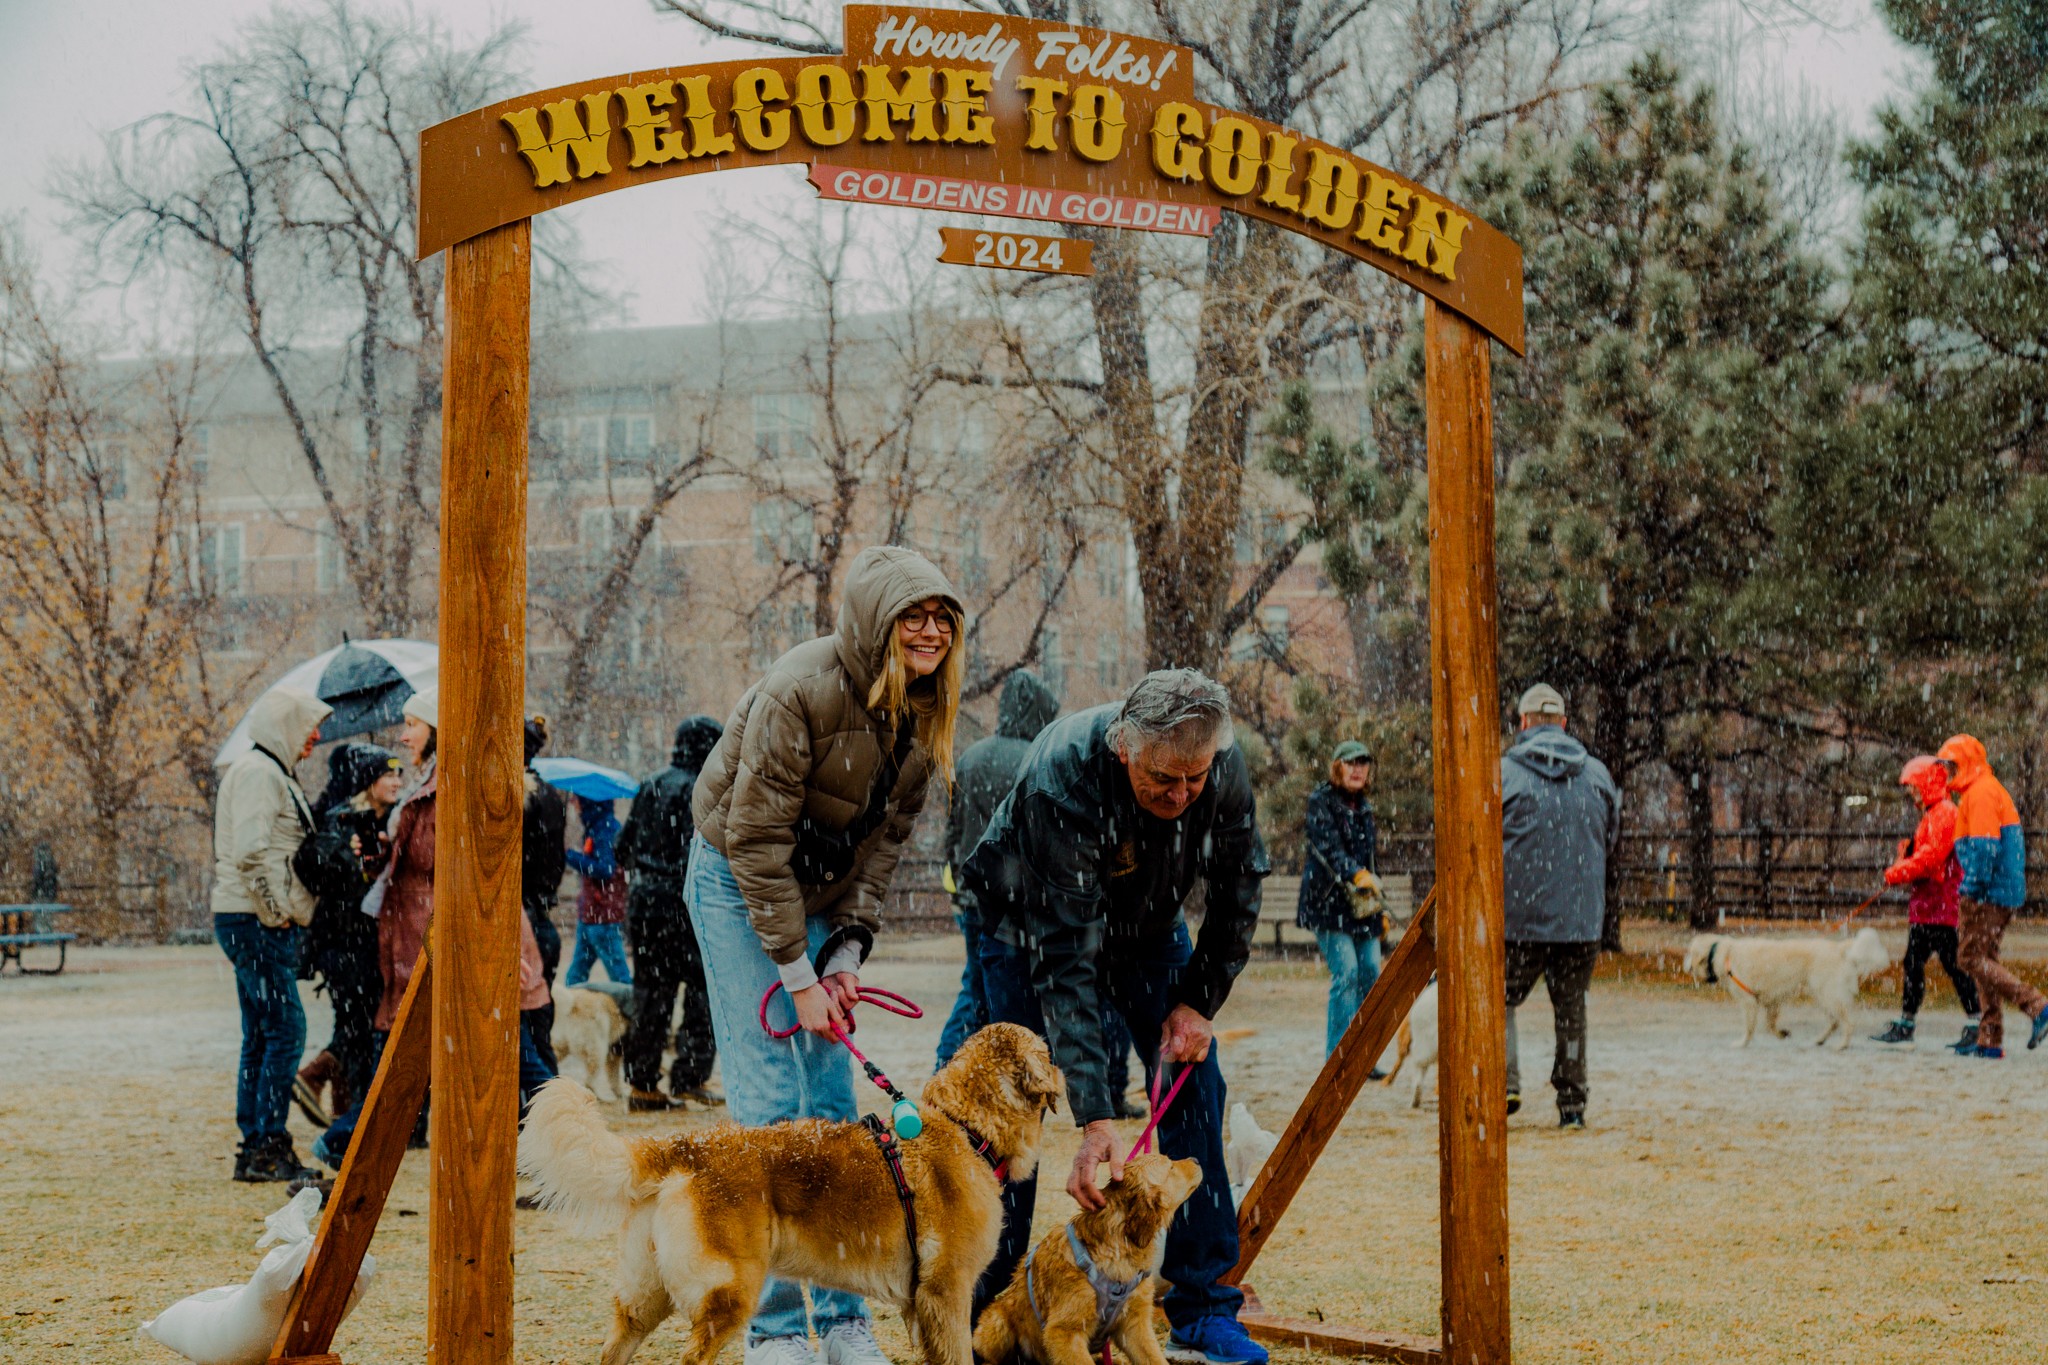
(1677, 361)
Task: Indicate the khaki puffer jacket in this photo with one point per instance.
(802, 742)
(256, 815)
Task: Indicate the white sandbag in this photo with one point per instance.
(236, 1324)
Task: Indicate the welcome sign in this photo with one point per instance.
(968, 113)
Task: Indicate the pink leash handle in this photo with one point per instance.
(1159, 1105)
(904, 1116)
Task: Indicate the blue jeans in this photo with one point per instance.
(1201, 1244)
(266, 965)
(767, 1080)
(604, 943)
(1354, 965)
(970, 1006)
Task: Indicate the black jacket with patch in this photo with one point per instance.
(1071, 869)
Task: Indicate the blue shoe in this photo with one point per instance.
(1989, 1054)
(1215, 1340)
(2040, 1030)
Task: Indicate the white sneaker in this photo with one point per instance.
(852, 1342)
(781, 1351)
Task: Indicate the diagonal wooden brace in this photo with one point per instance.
(390, 1113)
(1327, 1101)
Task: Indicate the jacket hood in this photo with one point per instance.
(881, 583)
(1927, 779)
(695, 739)
(282, 718)
(1967, 753)
(1027, 707)
(1549, 752)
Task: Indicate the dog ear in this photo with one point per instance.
(1039, 1078)
(1144, 1210)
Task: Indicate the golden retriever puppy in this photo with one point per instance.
(1765, 974)
(588, 1027)
(703, 1218)
(1056, 1312)
(1416, 1036)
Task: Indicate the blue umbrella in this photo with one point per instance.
(580, 777)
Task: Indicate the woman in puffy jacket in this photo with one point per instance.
(1341, 840)
(801, 810)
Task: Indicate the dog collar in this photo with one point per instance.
(983, 1148)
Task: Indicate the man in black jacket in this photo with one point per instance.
(981, 779)
(1080, 877)
(654, 849)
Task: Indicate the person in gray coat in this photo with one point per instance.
(1560, 815)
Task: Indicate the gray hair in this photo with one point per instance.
(1179, 707)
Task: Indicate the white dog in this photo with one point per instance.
(1247, 1150)
(1765, 974)
(588, 1027)
(1415, 1043)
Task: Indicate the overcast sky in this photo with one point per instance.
(72, 70)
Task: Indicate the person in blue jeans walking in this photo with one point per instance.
(1081, 876)
(1341, 842)
(802, 809)
(601, 900)
(260, 914)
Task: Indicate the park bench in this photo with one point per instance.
(32, 926)
(1276, 910)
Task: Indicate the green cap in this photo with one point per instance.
(1351, 749)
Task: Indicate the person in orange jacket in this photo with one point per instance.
(1927, 864)
(1993, 852)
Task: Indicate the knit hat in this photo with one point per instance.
(425, 707)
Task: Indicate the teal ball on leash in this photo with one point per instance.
(905, 1119)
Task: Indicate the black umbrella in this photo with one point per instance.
(366, 691)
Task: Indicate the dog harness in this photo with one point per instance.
(1110, 1295)
(1712, 977)
(892, 1157)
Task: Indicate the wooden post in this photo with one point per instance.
(1465, 695)
(474, 1120)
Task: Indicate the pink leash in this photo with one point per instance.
(903, 1115)
(1159, 1105)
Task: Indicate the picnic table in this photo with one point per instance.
(32, 925)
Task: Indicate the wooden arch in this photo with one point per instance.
(967, 112)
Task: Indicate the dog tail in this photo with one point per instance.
(1404, 1040)
(583, 1169)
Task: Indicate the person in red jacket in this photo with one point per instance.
(1927, 865)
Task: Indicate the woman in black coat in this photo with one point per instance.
(1341, 842)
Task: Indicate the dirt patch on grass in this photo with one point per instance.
(1781, 1203)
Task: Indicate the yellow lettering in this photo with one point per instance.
(910, 101)
(1234, 159)
(1097, 120)
(1435, 236)
(549, 156)
(824, 104)
(1177, 141)
(966, 101)
(1383, 201)
(1330, 193)
(1279, 170)
(647, 125)
(1041, 112)
(752, 91)
(705, 139)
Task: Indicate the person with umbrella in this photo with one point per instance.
(260, 913)
(363, 785)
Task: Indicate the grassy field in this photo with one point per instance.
(1783, 1203)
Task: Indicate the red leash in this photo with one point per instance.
(903, 1116)
(1861, 908)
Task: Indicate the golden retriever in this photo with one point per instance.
(588, 1027)
(1050, 1313)
(1415, 1044)
(1765, 974)
(704, 1218)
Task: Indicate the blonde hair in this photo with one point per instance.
(933, 700)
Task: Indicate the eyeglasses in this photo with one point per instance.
(914, 620)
